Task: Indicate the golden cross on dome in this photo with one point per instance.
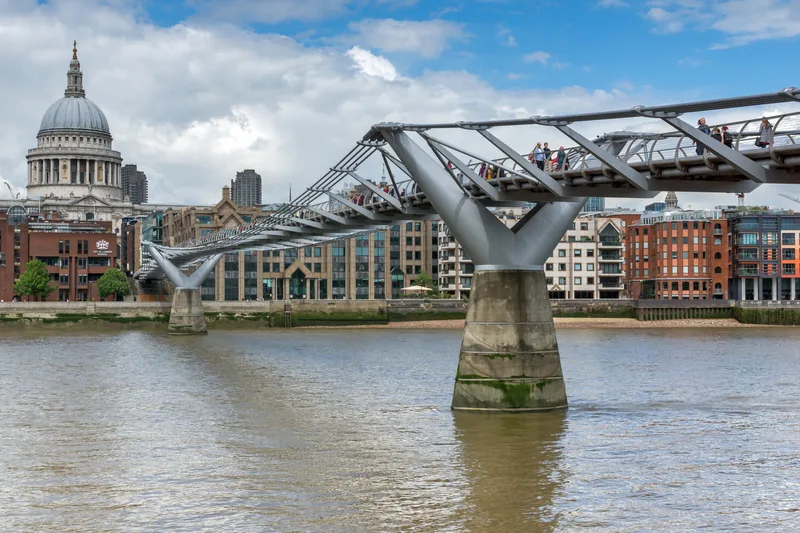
(74, 49)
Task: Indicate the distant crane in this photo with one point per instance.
(740, 197)
(11, 191)
(792, 198)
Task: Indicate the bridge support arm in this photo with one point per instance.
(186, 316)
(509, 359)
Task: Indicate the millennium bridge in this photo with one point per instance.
(509, 359)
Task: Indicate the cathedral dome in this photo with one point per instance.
(74, 113)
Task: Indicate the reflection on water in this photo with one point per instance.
(339, 431)
(512, 463)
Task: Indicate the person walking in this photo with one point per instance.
(727, 138)
(538, 156)
(717, 135)
(765, 134)
(547, 153)
(703, 127)
(561, 156)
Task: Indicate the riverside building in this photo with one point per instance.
(586, 264)
(680, 255)
(765, 254)
(76, 252)
(376, 265)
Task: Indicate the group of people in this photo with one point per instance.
(765, 136)
(543, 157)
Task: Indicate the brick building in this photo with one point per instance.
(76, 253)
(680, 255)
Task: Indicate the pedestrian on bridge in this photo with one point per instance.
(765, 134)
(561, 156)
(538, 156)
(727, 138)
(702, 126)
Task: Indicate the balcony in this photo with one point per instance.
(745, 256)
(610, 272)
(610, 258)
(717, 232)
(748, 271)
(606, 242)
(610, 285)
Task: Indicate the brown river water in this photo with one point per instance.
(350, 430)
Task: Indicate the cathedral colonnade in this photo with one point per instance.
(74, 170)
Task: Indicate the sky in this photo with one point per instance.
(195, 90)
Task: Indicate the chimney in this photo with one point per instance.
(226, 193)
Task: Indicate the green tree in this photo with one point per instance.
(113, 281)
(424, 280)
(35, 281)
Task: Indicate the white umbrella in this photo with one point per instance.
(416, 288)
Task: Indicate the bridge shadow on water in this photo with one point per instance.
(512, 466)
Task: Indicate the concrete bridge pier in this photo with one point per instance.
(509, 359)
(187, 316)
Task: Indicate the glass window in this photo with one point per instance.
(787, 238)
(562, 253)
(577, 267)
(577, 252)
(578, 281)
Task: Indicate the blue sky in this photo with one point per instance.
(689, 47)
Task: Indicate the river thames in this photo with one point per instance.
(350, 430)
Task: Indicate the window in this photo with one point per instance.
(577, 267)
(549, 281)
(417, 226)
(80, 247)
(409, 255)
(276, 267)
(685, 285)
(590, 281)
(562, 281)
(317, 252)
(409, 240)
(66, 247)
(584, 226)
(562, 267)
(590, 267)
(61, 247)
(578, 281)
(562, 253)
(590, 253)
(717, 241)
(789, 269)
(787, 239)
(788, 253)
(717, 270)
(577, 253)
(548, 267)
(717, 255)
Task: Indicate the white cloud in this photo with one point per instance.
(275, 11)
(537, 57)
(612, 3)
(756, 20)
(371, 64)
(429, 38)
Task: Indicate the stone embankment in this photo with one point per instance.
(409, 313)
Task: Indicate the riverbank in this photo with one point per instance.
(567, 323)
(402, 314)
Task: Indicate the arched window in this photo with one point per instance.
(718, 227)
(718, 286)
(718, 270)
(717, 255)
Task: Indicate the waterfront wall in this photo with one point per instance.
(352, 312)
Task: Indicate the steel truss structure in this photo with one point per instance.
(440, 177)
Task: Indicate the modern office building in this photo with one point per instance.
(594, 205)
(765, 255)
(678, 255)
(134, 184)
(76, 253)
(246, 188)
(377, 265)
(586, 264)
